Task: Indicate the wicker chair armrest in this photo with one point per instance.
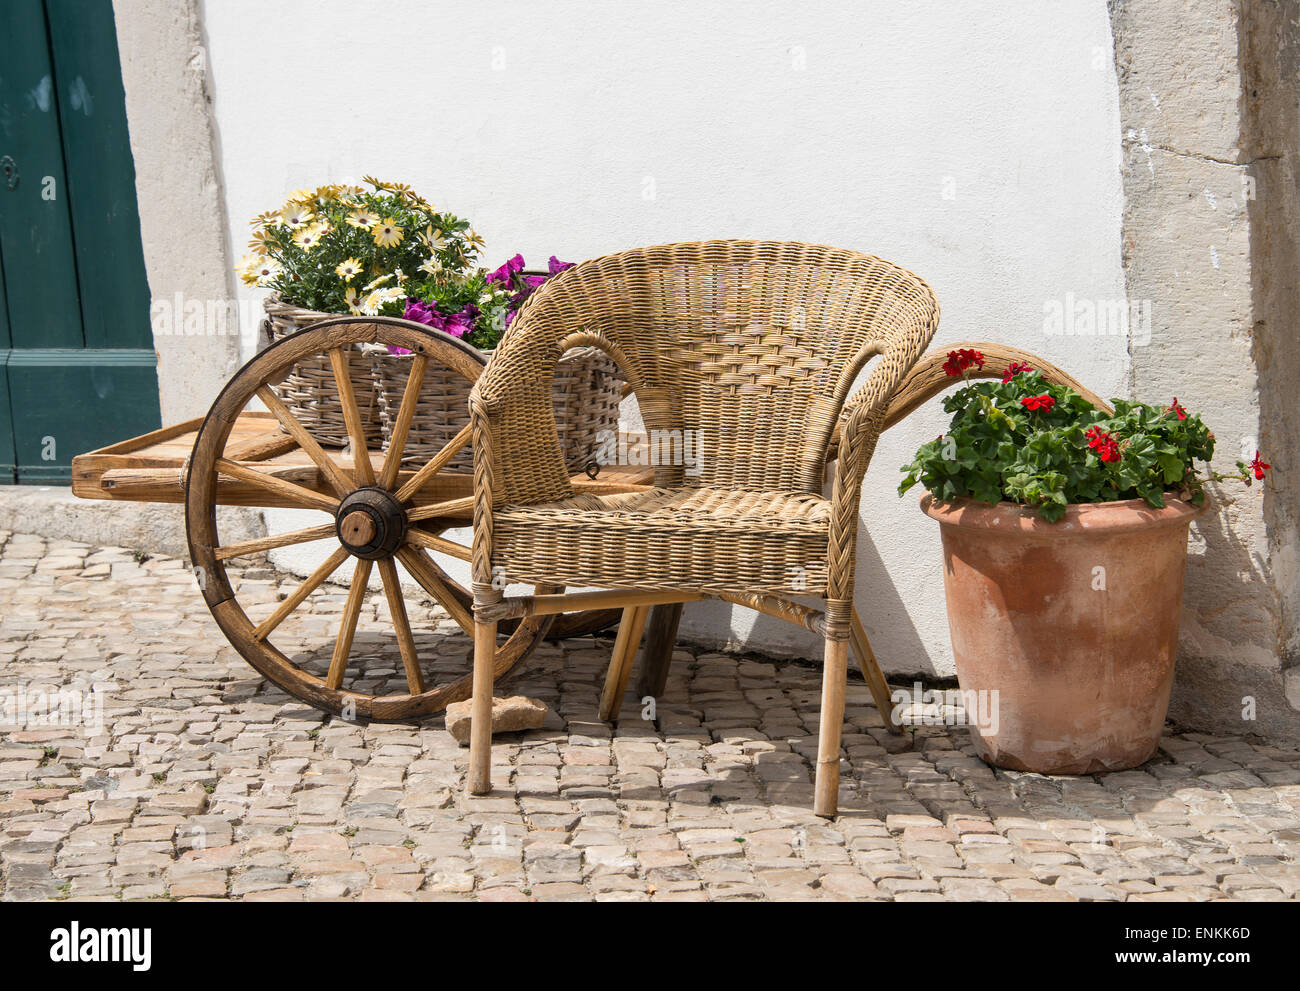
(508, 409)
(514, 461)
(480, 422)
(861, 423)
(871, 400)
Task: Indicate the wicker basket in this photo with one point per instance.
(309, 389)
(588, 389)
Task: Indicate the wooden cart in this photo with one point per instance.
(376, 511)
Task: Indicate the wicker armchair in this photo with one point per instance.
(751, 349)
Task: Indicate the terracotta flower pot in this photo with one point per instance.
(1073, 624)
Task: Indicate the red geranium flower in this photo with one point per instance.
(1043, 402)
(1259, 468)
(962, 359)
(1176, 409)
(1104, 444)
(1014, 369)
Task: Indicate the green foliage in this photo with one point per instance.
(493, 302)
(997, 450)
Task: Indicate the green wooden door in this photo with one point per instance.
(79, 370)
(7, 460)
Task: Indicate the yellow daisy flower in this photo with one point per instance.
(392, 187)
(431, 266)
(348, 269)
(296, 215)
(377, 283)
(267, 270)
(326, 194)
(261, 241)
(353, 299)
(247, 267)
(376, 300)
(388, 234)
(433, 240)
(309, 237)
(364, 219)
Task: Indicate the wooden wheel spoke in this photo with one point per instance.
(397, 444)
(440, 544)
(296, 494)
(402, 626)
(348, 627)
(365, 472)
(331, 565)
(452, 507)
(278, 540)
(433, 581)
(440, 461)
(329, 469)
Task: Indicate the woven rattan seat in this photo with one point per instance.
(713, 539)
(755, 352)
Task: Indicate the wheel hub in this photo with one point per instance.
(371, 524)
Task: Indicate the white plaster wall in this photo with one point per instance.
(578, 129)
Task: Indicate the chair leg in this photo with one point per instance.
(660, 639)
(835, 671)
(875, 678)
(620, 665)
(480, 730)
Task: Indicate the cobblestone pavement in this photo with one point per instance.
(205, 782)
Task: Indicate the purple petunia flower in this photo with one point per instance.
(460, 324)
(506, 273)
(455, 324)
(416, 310)
(555, 266)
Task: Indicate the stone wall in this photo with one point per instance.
(1208, 102)
(182, 204)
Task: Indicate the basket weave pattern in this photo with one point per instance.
(309, 389)
(587, 393)
(753, 347)
(676, 537)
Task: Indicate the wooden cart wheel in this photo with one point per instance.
(378, 514)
